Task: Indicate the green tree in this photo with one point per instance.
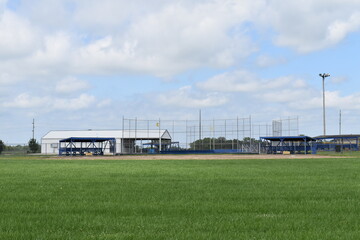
(2, 146)
(33, 145)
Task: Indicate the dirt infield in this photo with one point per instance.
(195, 157)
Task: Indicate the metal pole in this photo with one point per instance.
(159, 135)
(186, 133)
(323, 76)
(340, 123)
(129, 140)
(214, 138)
(135, 134)
(200, 130)
(122, 140)
(324, 121)
(250, 131)
(237, 133)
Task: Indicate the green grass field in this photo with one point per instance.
(225, 199)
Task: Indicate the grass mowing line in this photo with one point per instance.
(247, 199)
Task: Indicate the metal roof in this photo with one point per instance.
(79, 139)
(290, 138)
(338, 136)
(132, 134)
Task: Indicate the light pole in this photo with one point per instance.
(324, 75)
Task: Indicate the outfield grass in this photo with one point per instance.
(234, 199)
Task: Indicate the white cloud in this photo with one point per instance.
(2, 5)
(55, 52)
(70, 85)
(48, 15)
(339, 29)
(247, 82)
(82, 102)
(17, 36)
(7, 79)
(335, 100)
(101, 17)
(289, 90)
(189, 98)
(48, 103)
(104, 103)
(237, 81)
(265, 61)
(311, 25)
(166, 38)
(171, 40)
(339, 79)
(24, 100)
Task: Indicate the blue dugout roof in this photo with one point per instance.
(344, 136)
(289, 138)
(88, 139)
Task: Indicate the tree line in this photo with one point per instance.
(32, 147)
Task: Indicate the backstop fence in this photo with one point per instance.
(238, 135)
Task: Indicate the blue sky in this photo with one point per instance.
(87, 63)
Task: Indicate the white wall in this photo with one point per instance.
(50, 146)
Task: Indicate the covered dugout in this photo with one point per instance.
(86, 146)
(338, 143)
(290, 144)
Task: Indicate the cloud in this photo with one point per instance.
(308, 25)
(104, 103)
(335, 100)
(247, 82)
(237, 81)
(287, 90)
(17, 37)
(171, 40)
(24, 100)
(291, 92)
(265, 61)
(48, 103)
(188, 97)
(339, 29)
(7, 79)
(70, 85)
(339, 79)
(82, 102)
(164, 38)
(55, 52)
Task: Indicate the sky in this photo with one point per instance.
(86, 64)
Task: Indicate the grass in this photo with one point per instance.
(234, 199)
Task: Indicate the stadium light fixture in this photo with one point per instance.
(323, 76)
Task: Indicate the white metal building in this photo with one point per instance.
(128, 141)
